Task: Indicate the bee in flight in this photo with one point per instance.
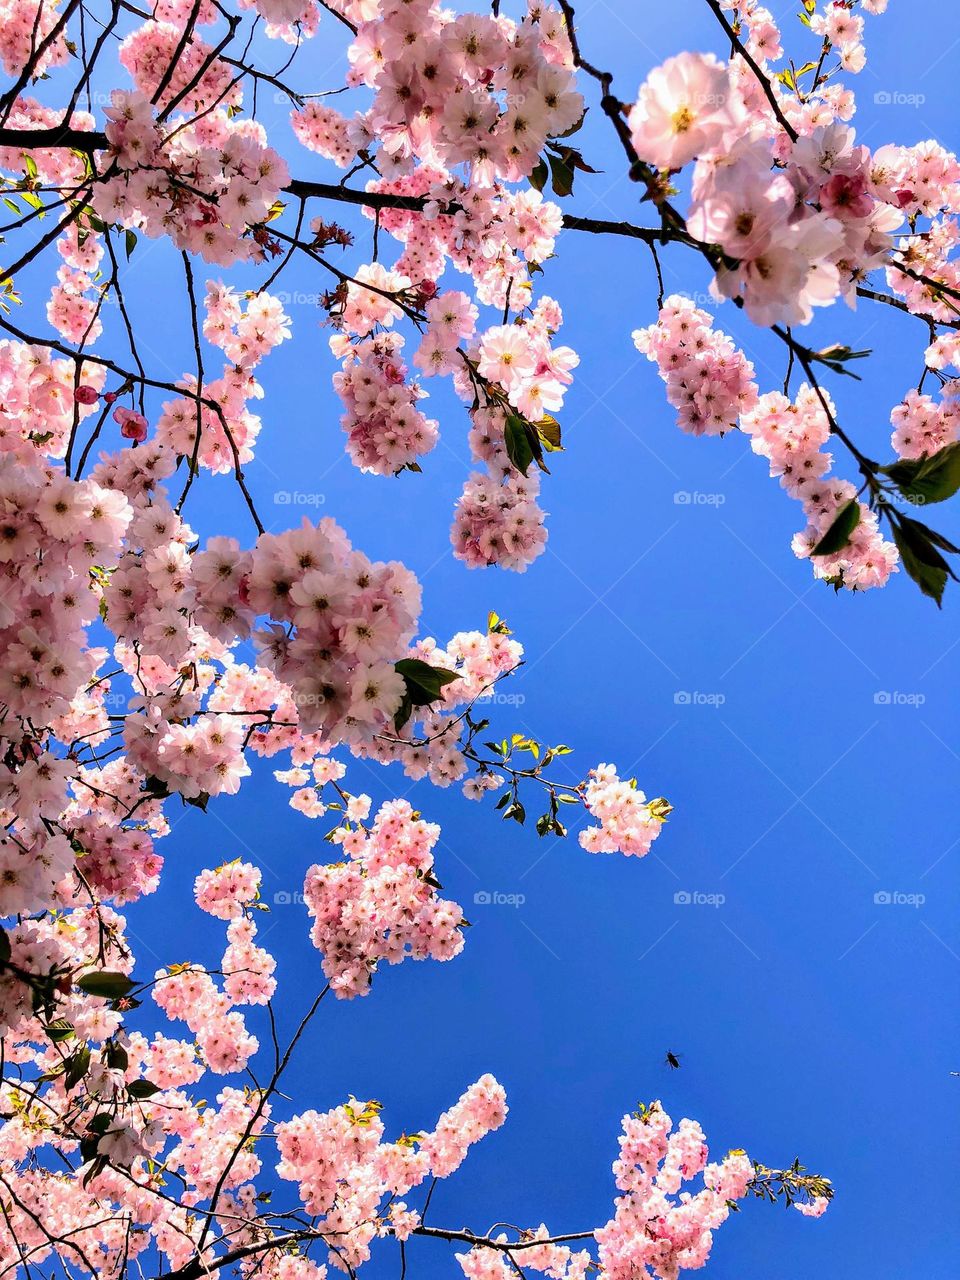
(672, 1060)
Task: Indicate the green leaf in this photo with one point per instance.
(936, 538)
(97, 1167)
(517, 440)
(548, 429)
(107, 985)
(424, 682)
(115, 1056)
(921, 559)
(59, 1031)
(524, 444)
(538, 178)
(130, 241)
(561, 174)
(78, 1065)
(423, 685)
(840, 531)
(930, 479)
(836, 357)
(140, 1089)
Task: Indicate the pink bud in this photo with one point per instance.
(85, 394)
(133, 426)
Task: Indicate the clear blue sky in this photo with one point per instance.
(811, 1020)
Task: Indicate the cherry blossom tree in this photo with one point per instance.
(143, 668)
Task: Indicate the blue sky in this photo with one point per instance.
(808, 741)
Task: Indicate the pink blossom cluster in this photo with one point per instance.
(710, 382)
(225, 891)
(660, 1227)
(198, 78)
(488, 232)
(451, 319)
(244, 333)
(923, 426)
(842, 30)
(119, 863)
(382, 904)
(629, 823)
(468, 89)
(335, 623)
(28, 26)
(212, 423)
(499, 522)
(386, 432)
(923, 265)
(188, 994)
(293, 21)
(72, 311)
(519, 359)
(38, 402)
(54, 532)
(556, 1260)
(203, 184)
(428, 745)
(791, 436)
(213, 426)
(324, 130)
(344, 1169)
(800, 221)
(497, 519)
(352, 619)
